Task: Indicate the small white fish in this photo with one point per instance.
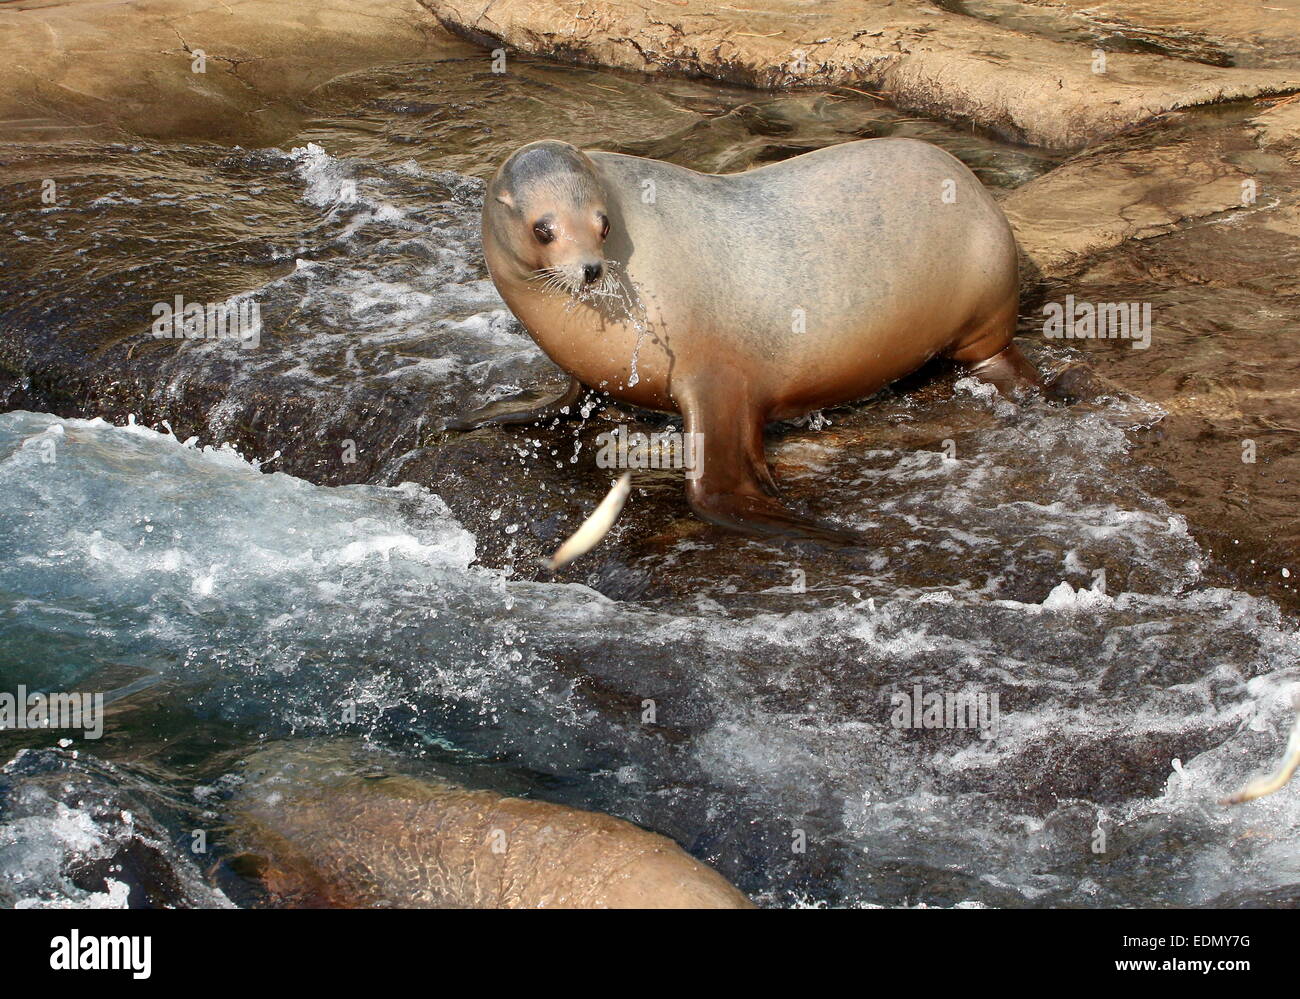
(1275, 781)
(595, 527)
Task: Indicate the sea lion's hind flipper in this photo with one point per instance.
(532, 406)
(733, 486)
(1009, 371)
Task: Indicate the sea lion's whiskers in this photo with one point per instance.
(609, 285)
(552, 279)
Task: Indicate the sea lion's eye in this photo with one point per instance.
(543, 233)
(604, 226)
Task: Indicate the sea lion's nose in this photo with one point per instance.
(591, 272)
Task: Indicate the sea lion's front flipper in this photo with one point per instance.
(526, 407)
(731, 484)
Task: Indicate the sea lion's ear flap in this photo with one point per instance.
(503, 196)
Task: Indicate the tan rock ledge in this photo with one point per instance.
(1037, 88)
(1100, 198)
(84, 68)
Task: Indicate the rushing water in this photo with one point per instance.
(1017, 551)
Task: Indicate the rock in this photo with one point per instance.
(1220, 278)
(76, 832)
(1216, 34)
(1121, 191)
(332, 824)
(87, 68)
(1278, 128)
(1025, 87)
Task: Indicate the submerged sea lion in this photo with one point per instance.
(325, 830)
(744, 298)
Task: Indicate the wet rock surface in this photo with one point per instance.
(1217, 35)
(228, 72)
(1223, 294)
(79, 832)
(338, 821)
(1192, 167)
(1032, 82)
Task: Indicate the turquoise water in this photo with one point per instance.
(257, 605)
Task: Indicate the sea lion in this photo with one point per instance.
(329, 823)
(739, 299)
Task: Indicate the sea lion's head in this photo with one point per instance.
(547, 210)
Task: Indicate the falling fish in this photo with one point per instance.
(1275, 781)
(595, 527)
